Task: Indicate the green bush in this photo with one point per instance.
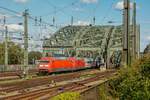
(67, 96)
(133, 83)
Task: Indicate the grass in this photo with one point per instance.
(67, 96)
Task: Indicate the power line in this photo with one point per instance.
(17, 13)
(9, 10)
(60, 9)
(32, 18)
(108, 11)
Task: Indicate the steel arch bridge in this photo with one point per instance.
(87, 41)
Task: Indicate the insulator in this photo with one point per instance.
(4, 21)
(35, 21)
(20, 23)
(56, 40)
(40, 20)
(53, 20)
(71, 20)
(94, 20)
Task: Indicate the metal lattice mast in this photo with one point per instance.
(6, 48)
(126, 36)
(138, 42)
(25, 42)
(134, 32)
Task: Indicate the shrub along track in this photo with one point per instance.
(51, 91)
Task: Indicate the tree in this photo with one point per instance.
(15, 53)
(147, 49)
(133, 83)
(33, 56)
(2, 53)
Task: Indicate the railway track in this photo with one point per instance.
(15, 73)
(50, 91)
(14, 86)
(4, 76)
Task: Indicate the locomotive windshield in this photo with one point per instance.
(43, 61)
(59, 55)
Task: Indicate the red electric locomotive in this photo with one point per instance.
(58, 64)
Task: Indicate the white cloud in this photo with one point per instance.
(82, 23)
(89, 1)
(120, 5)
(21, 1)
(13, 28)
(148, 38)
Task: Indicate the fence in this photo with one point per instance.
(15, 67)
(93, 92)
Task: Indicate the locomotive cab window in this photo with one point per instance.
(43, 61)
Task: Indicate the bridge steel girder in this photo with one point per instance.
(82, 37)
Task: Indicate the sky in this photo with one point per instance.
(82, 11)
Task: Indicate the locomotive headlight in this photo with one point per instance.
(46, 65)
(41, 65)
